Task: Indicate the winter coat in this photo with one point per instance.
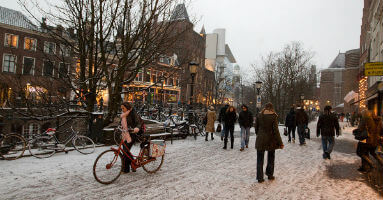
(290, 119)
(268, 136)
(133, 120)
(327, 124)
(211, 117)
(245, 119)
(222, 113)
(374, 129)
(301, 117)
(230, 119)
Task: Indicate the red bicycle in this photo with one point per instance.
(108, 165)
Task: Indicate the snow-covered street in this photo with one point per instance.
(196, 170)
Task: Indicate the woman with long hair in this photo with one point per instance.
(129, 120)
(268, 139)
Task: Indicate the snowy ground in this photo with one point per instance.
(196, 170)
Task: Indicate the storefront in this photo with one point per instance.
(151, 95)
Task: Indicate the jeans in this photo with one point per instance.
(223, 130)
(245, 135)
(291, 130)
(270, 163)
(231, 130)
(301, 133)
(327, 144)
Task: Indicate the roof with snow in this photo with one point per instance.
(15, 18)
(180, 13)
(339, 61)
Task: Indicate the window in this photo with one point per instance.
(147, 75)
(31, 129)
(64, 50)
(28, 66)
(49, 47)
(9, 63)
(30, 44)
(48, 68)
(63, 70)
(140, 76)
(11, 40)
(154, 76)
(170, 81)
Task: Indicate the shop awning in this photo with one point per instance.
(340, 105)
(350, 96)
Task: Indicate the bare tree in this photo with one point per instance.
(285, 75)
(111, 40)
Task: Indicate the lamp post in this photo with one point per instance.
(258, 86)
(302, 98)
(193, 70)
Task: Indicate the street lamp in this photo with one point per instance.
(258, 86)
(193, 70)
(302, 98)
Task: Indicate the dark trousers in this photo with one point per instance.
(127, 161)
(364, 151)
(301, 133)
(270, 163)
(291, 130)
(229, 129)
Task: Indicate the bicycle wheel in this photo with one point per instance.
(83, 144)
(12, 147)
(155, 163)
(117, 136)
(107, 167)
(43, 147)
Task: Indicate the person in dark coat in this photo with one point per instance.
(302, 120)
(374, 127)
(268, 139)
(291, 124)
(246, 122)
(221, 119)
(326, 126)
(230, 119)
(129, 120)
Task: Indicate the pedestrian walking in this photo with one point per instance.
(245, 122)
(302, 120)
(291, 124)
(221, 119)
(230, 119)
(129, 120)
(268, 139)
(373, 126)
(326, 126)
(211, 117)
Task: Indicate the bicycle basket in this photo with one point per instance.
(157, 148)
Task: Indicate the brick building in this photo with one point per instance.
(33, 67)
(340, 79)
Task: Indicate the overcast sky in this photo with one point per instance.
(256, 27)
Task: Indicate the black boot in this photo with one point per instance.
(232, 143)
(212, 137)
(225, 145)
(207, 135)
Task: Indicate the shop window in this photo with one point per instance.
(49, 47)
(28, 66)
(11, 40)
(147, 76)
(9, 63)
(48, 68)
(30, 44)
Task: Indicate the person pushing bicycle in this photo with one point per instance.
(130, 120)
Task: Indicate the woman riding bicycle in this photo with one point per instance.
(130, 120)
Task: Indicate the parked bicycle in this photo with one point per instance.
(46, 144)
(108, 165)
(12, 146)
